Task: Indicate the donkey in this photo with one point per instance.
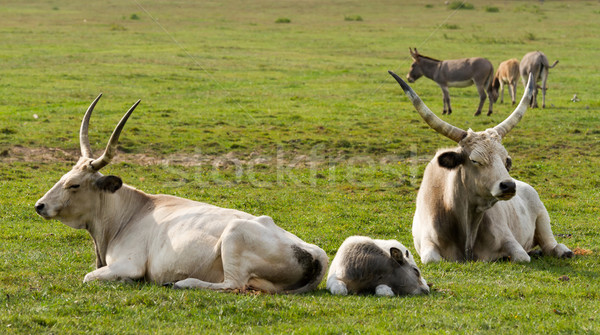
(507, 73)
(454, 73)
(536, 62)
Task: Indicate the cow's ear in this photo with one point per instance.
(109, 183)
(397, 255)
(451, 159)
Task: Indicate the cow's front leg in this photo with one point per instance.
(430, 254)
(126, 272)
(197, 283)
(516, 252)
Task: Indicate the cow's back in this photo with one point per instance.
(180, 236)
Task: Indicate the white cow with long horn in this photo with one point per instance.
(164, 239)
(468, 206)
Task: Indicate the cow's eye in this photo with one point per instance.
(417, 272)
(74, 187)
(508, 163)
(474, 161)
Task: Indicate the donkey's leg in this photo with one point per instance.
(513, 91)
(536, 77)
(482, 97)
(489, 97)
(446, 93)
(544, 75)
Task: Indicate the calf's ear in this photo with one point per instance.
(397, 256)
(451, 159)
(109, 183)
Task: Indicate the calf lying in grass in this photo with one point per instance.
(382, 267)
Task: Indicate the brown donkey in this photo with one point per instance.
(507, 73)
(454, 73)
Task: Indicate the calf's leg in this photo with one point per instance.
(336, 286)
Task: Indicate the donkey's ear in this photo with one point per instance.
(109, 183)
(397, 255)
(413, 54)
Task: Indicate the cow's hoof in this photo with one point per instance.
(169, 284)
(520, 257)
(443, 112)
(477, 113)
(537, 253)
(561, 251)
(489, 113)
(431, 257)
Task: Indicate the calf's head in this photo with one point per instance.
(405, 278)
(75, 196)
(483, 160)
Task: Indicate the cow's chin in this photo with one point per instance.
(506, 196)
(46, 215)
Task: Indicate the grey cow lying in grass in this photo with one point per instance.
(382, 267)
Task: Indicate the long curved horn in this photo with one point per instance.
(84, 141)
(442, 127)
(111, 147)
(514, 118)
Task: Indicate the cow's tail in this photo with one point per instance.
(314, 268)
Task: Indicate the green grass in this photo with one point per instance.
(298, 121)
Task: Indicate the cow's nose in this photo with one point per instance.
(39, 208)
(508, 187)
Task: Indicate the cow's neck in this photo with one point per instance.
(473, 210)
(114, 213)
(429, 67)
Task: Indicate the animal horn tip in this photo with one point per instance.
(404, 85)
(135, 104)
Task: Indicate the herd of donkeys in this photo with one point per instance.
(468, 208)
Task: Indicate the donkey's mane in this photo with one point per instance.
(427, 57)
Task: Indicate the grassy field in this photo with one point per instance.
(285, 108)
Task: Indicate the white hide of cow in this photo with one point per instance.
(468, 206)
(165, 239)
(381, 267)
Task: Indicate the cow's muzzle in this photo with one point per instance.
(40, 208)
(508, 189)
